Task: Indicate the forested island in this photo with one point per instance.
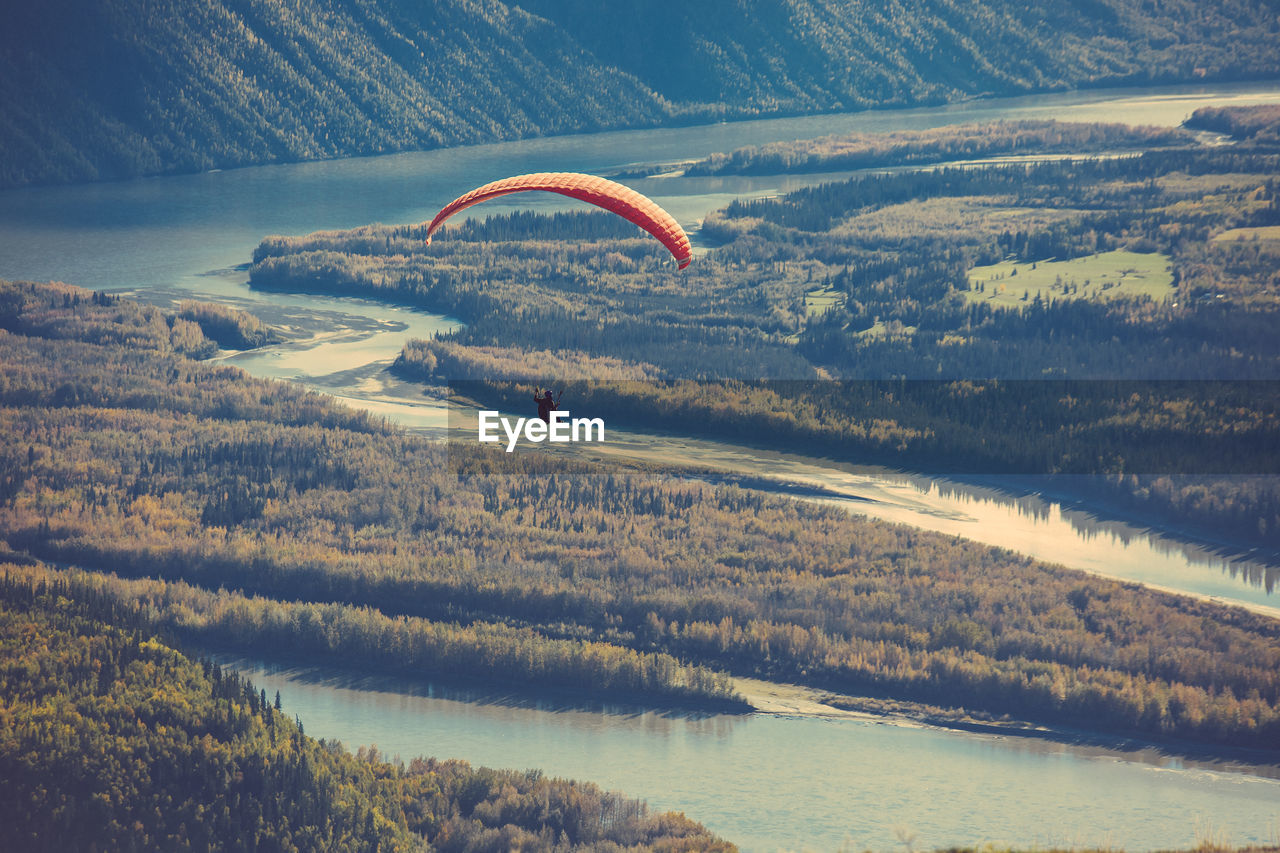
(100, 91)
(846, 152)
(240, 511)
(1256, 124)
(908, 317)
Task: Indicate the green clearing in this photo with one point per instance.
(1108, 275)
(892, 329)
(820, 301)
(1264, 233)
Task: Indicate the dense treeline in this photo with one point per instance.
(63, 312)
(365, 638)
(112, 740)
(711, 576)
(1239, 508)
(435, 359)
(102, 90)
(94, 90)
(847, 152)
(944, 427)
(228, 327)
(1258, 123)
(1126, 188)
(806, 55)
(1168, 202)
(138, 389)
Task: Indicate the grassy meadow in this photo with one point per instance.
(1119, 274)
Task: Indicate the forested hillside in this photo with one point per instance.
(803, 55)
(99, 90)
(92, 90)
(112, 740)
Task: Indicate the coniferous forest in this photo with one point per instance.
(113, 740)
(93, 90)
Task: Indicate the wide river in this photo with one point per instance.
(767, 781)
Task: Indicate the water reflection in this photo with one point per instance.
(1016, 516)
(461, 692)
(1258, 567)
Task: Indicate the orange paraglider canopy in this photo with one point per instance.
(601, 192)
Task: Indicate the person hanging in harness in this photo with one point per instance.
(546, 403)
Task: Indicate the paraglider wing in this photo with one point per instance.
(601, 192)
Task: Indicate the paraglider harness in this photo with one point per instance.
(547, 405)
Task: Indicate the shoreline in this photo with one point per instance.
(796, 700)
(1050, 488)
(817, 494)
(1111, 89)
(684, 467)
(763, 698)
(753, 696)
(1009, 491)
(342, 671)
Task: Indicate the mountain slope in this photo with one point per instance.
(92, 90)
(101, 89)
(801, 55)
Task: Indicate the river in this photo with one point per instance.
(793, 782)
(769, 780)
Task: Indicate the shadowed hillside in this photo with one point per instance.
(102, 90)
